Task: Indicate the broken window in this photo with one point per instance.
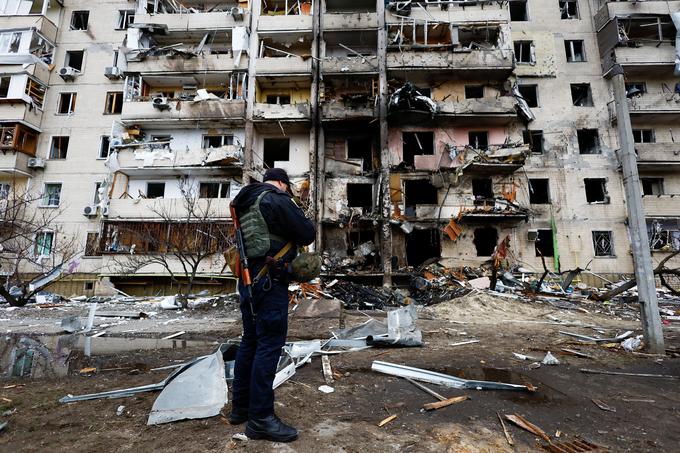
(596, 190)
(51, 195)
(67, 103)
(478, 139)
(575, 50)
(588, 141)
(474, 91)
(652, 186)
(418, 192)
(581, 95)
(36, 91)
(524, 52)
(125, 19)
(79, 20)
(92, 244)
(530, 94)
(417, 144)
(358, 237)
(275, 150)
(214, 189)
(59, 147)
(569, 9)
(635, 89)
(535, 140)
(485, 240)
(97, 197)
(664, 234)
(114, 103)
(10, 42)
(482, 189)
(422, 245)
(160, 142)
(644, 136)
(518, 10)
(104, 145)
(44, 243)
(74, 59)
(539, 191)
(360, 195)
(355, 6)
(361, 148)
(603, 243)
(155, 189)
(4, 86)
(279, 99)
(217, 141)
(544, 243)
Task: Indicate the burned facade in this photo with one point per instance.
(413, 131)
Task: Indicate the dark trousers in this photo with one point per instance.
(260, 349)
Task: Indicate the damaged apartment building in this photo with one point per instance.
(414, 131)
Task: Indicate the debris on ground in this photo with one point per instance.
(527, 425)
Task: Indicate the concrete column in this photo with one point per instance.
(255, 8)
(642, 257)
(316, 149)
(384, 187)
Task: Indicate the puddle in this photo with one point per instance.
(36, 356)
(544, 394)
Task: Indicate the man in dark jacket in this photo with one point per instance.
(265, 328)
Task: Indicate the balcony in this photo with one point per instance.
(339, 110)
(291, 22)
(646, 60)
(493, 210)
(495, 64)
(344, 65)
(143, 111)
(145, 160)
(14, 162)
(284, 66)
(612, 10)
(658, 156)
(178, 64)
(666, 106)
(493, 111)
(41, 24)
(661, 205)
(348, 21)
(18, 111)
(143, 208)
(195, 21)
(286, 112)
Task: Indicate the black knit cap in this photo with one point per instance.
(277, 174)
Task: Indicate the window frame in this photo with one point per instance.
(562, 11)
(223, 186)
(548, 194)
(101, 147)
(37, 245)
(224, 137)
(63, 149)
(641, 134)
(36, 91)
(87, 20)
(612, 251)
(124, 16)
(110, 103)
(73, 98)
(45, 198)
(532, 52)
(67, 59)
(569, 51)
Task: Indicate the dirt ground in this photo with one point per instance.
(646, 414)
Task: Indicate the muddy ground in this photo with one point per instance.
(647, 409)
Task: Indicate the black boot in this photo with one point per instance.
(238, 415)
(270, 428)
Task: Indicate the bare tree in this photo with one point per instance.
(34, 251)
(179, 239)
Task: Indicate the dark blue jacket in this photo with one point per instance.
(284, 218)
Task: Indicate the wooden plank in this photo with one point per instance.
(445, 403)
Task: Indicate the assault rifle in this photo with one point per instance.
(243, 259)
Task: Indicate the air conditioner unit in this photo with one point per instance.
(90, 211)
(68, 73)
(105, 212)
(161, 103)
(532, 235)
(237, 13)
(113, 72)
(36, 162)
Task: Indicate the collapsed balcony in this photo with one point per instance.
(193, 14)
(477, 49)
(285, 53)
(349, 97)
(167, 99)
(163, 237)
(639, 42)
(350, 52)
(282, 99)
(287, 15)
